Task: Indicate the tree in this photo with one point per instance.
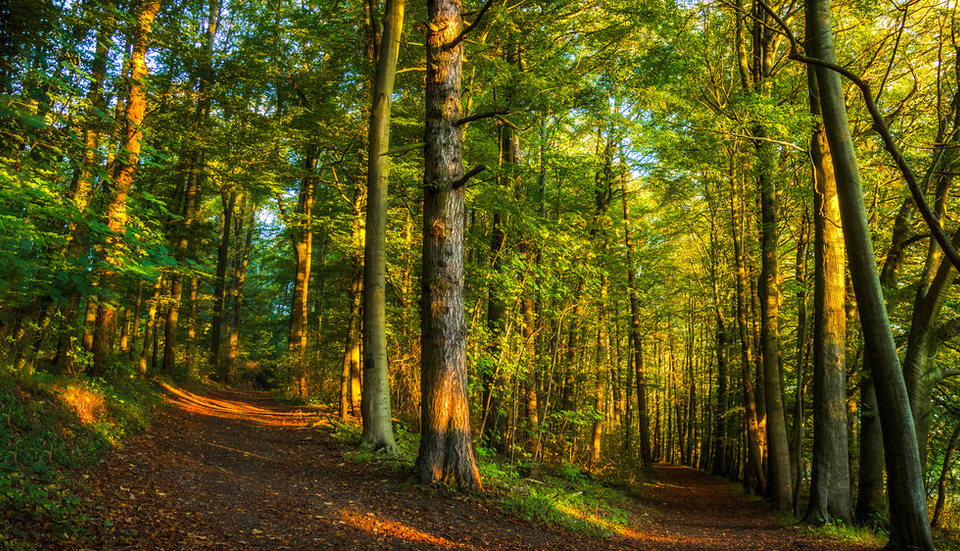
(115, 213)
(375, 401)
(446, 446)
(909, 525)
(830, 486)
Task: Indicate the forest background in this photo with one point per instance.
(649, 273)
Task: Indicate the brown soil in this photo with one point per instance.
(234, 470)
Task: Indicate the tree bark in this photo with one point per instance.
(909, 525)
(375, 400)
(446, 448)
(830, 484)
(117, 189)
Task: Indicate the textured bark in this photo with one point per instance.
(446, 448)
(909, 525)
(117, 189)
(830, 484)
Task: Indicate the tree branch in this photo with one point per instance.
(463, 34)
(880, 125)
(463, 180)
(404, 149)
(480, 116)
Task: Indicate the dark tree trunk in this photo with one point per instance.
(446, 448)
(221, 369)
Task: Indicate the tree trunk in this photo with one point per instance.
(754, 475)
(446, 449)
(830, 484)
(944, 475)
(117, 189)
(909, 525)
(301, 235)
(636, 339)
(221, 369)
(239, 277)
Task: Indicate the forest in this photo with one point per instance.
(712, 233)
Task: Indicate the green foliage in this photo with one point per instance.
(838, 531)
(572, 502)
(51, 428)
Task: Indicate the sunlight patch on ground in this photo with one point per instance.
(88, 405)
(389, 528)
(229, 409)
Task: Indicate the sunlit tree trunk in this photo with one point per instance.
(830, 484)
(446, 448)
(301, 236)
(117, 189)
(909, 524)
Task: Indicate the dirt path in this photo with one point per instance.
(233, 470)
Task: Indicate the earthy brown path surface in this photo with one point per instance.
(233, 470)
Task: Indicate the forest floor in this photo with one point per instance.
(236, 470)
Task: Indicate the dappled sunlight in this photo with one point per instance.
(383, 527)
(88, 405)
(231, 409)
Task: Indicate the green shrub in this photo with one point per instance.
(51, 428)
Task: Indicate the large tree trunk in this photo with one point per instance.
(446, 448)
(117, 189)
(830, 485)
(909, 525)
(375, 400)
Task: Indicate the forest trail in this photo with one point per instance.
(235, 470)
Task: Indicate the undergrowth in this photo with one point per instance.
(51, 429)
(558, 496)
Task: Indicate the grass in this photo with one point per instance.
(844, 533)
(51, 430)
(560, 496)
